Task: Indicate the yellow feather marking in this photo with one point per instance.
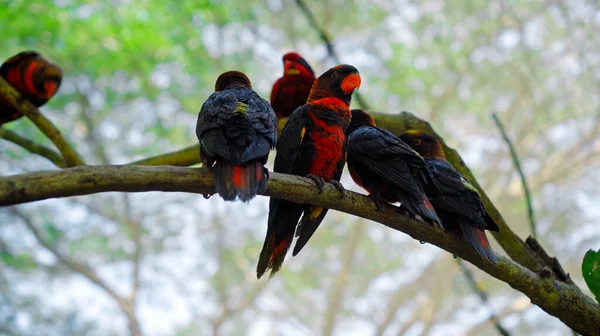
(302, 133)
(241, 108)
(315, 212)
(468, 185)
(292, 72)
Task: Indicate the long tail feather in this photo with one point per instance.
(243, 181)
(308, 225)
(283, 217)
(477, 239)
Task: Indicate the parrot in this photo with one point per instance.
(236, 129)
(461, 208)
(312, 144)
(389, 169)
(33, 76)
(291, 90)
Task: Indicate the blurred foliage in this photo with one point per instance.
(137, 73)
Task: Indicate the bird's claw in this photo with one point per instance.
(207, 196)
(318, 181)
(339, 187)
(377, 200)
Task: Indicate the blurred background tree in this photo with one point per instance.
(137, 73)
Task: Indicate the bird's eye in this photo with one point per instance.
(416, 142)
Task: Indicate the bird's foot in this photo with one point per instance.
(377, 200)
(318, 181)
(339, 187)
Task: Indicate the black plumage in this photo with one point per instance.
(387, 168)
(236, 129)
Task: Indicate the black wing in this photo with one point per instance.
(214, 114)
(237, 125)
(264, 123)
(387, 155)
(290, 141)
(461, 198)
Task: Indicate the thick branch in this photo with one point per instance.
(557, 298)
(183, 158)
(33, 147)
(43, 123)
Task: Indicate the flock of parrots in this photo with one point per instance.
(237, 129)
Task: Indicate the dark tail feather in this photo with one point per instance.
(243, 181)
(283, 217)
(422, 208)
(490, 224)
(308, 225)
(476, 237)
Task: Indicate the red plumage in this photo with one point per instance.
(33, 76)
(312, 144)
(292, 89)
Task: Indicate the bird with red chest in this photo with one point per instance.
(292, 89)
(312, 144)
(33, 76)
(461, 209)
(389, 169)
(237, 129)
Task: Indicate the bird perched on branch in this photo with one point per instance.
(33, 76)
(312, 144)
(237, 129)
(461, 209)
(389, 169)
(292, 89)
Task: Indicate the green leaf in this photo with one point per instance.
(591, 271)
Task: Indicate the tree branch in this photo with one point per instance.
(556, 297)
(43, 123)
(310, 17)
(517, 162)
(33, 147)
(183, 158)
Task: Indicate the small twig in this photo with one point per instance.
(549, 261)
(183, 158)
(325, 38)
(517, 163)
(44, 124)
(482, 296)
(33, 147)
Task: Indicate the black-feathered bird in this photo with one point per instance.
(237, 129)
(387, 168)
(461, 209)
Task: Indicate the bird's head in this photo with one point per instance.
(425, 144)
(359, 118)
(339, 82)
(294, 64)
(230, 79)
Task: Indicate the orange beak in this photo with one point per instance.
(351, 83)
(50, 87)
(289, 68)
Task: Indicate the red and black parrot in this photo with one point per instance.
(461, 209)
(33, 76)
(312, 144)
(237, 129)
(292, 89)
(389, 169)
